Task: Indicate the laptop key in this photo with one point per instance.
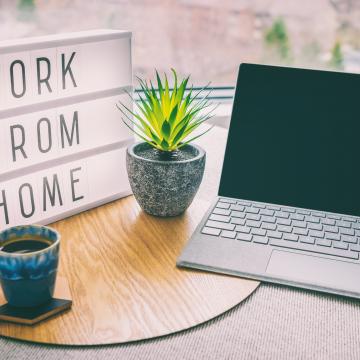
(312, 219)
(283, 228)
(340, 245)
(255, 217)
(238, 221)
(318, 214)
(252, 210)
(220, 225)
(274, 234)
(222, 205)
(228, 234)
(210, 231)
(291, 237)
(243, 229)
(268, 219)
(355, 247)
(316, 233)
(289, 210)
(330, 228)
(328, 221)
(238, 214)
(307, 240)
(230, 201)
(300, 231)
(323, 242)
(300, 224)
(345, 224)
(260, 239)
(220, 211)
(252, 223)
(268, 212)
(282, 214)
(243, 202)
(237, 207)
(315, 249)
(273, 207)
(268, 226)
(332, 236)
(260, 232)
(303, 212)
(346, 218)
(349, 239)
(221, 218)
(298, 217)
(281, 221)
(355, 226)
(313, 226)
(347, 231)
(260, 206)
(244, 237)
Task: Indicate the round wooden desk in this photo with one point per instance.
(120, 264)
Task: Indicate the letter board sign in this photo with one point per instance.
(62, 141)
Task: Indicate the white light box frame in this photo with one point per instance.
(60, 129)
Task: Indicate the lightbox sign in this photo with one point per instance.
(62, 141)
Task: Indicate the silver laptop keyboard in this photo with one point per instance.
(285, 227)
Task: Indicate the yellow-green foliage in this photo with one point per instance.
(165, 118)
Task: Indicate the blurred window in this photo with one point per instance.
(205, 38)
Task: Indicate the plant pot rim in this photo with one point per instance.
(131, 152)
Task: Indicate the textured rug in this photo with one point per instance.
(273, 323)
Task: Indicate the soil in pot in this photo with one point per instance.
(147, 152)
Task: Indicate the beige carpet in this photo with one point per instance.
(274, 323)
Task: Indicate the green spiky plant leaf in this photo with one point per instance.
(166, 118)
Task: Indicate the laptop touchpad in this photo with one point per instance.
(309, 269)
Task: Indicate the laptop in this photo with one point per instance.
(288, 205)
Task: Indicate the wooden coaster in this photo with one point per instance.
(29, 316)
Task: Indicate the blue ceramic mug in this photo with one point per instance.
(29, 257)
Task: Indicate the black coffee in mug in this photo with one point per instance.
(24, 246)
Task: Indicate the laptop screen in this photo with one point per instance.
(294, 139)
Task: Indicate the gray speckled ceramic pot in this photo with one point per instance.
(165, 187)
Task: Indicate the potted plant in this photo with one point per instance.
(165, 170)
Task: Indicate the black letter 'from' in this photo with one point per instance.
(73, 182)
(51, 192)
(66, 68)
(22, 142)
(4, 204)
(48, 73)
(74, 129)
(21, 93)
(31, 194)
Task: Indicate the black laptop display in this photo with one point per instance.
(295, 139)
